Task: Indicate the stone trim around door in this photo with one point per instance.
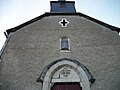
(66, 70)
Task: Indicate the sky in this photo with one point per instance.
(16, 12)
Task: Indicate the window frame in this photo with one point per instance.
(62, 49)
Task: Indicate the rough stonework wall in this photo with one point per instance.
(33, 47)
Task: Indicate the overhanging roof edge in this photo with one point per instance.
(113, 28)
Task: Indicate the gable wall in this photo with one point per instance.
(33, 47)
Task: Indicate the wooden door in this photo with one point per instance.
(66, 86)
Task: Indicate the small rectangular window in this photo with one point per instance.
(64, 43)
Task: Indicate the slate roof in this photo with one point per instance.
(113, 28)
(63, 6)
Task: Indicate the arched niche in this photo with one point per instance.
(66, 70)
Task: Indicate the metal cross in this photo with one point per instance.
(64, 22)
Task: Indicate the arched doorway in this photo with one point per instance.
(66, 72)
(66, 86)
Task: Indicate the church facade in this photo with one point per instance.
(61, 50)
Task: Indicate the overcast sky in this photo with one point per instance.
(16, 12)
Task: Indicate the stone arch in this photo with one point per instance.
(81, 73)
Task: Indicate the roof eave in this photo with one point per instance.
(113, 28)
